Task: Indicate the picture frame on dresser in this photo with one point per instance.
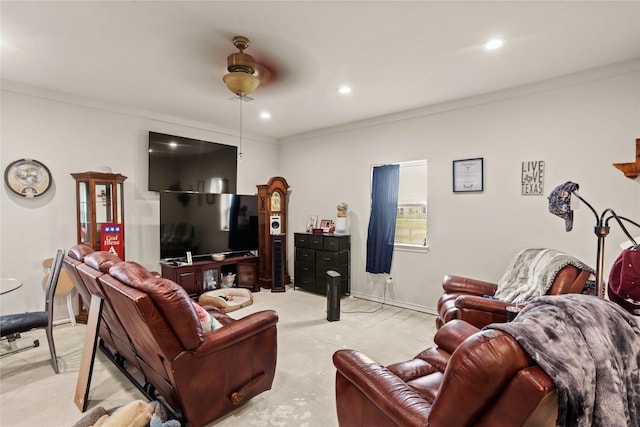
(326, 224)
(312, 222)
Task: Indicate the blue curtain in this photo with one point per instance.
(382, 222)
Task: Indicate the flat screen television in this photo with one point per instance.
(205, 224)
(184, 164)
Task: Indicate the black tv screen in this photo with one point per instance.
(205, 224)
(185, 164)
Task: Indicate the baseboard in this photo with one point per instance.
(401, 304)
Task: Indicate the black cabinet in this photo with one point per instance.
(315, 255)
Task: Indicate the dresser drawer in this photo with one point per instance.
(304, 275)
(300, 240)
(315, 241)
(305, 256)
(332, 259)
(305, 283)
(335, 243)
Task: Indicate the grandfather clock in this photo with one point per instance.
(272, 221)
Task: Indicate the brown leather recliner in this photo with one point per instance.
(466, 298)
(473, 378)
(151, 322)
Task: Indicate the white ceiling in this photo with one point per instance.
(169, 57)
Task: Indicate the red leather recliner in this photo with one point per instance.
(473, 378)
(464, 298)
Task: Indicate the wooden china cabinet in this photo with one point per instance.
(272, 221)
(99, 200)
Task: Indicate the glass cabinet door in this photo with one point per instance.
(84, 213)
(119, 205)
(209, 279)
(103, 206)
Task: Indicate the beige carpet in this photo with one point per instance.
(303, 390)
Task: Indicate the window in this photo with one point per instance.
(411, 221)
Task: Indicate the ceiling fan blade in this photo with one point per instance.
(262, 73)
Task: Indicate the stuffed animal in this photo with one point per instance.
(135, 414)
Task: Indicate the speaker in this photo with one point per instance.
(278, 260)
(275, 225)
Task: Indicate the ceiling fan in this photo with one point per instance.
(245, 74)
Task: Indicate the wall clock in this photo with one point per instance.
(27, 177)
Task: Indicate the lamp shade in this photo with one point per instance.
(241, 83)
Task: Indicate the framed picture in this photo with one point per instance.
(468, 175)
(311, 223)
(326, 224)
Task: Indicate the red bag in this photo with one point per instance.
(624, 279)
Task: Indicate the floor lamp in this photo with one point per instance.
(559, 204)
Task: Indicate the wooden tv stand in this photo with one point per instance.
(203, 276)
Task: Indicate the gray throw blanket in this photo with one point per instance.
(532, 273)
(590, 348)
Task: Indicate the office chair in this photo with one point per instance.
(11, 325)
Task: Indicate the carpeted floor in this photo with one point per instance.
(303, 390)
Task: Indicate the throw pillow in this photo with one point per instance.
(209, 323)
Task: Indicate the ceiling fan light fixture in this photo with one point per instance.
(241, 61)
(241, 83)
(241, 79)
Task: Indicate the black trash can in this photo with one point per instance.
(333, 296)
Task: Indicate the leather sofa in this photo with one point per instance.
(115, 342)
(472, 378)
(466, 299)
(149, 323)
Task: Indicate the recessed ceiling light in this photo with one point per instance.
(265, 115)
(173, 144)
(344, 89)
(494, 44)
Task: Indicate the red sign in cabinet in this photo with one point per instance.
(111, 239)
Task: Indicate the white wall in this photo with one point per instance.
(76, 135)
(579, 125)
